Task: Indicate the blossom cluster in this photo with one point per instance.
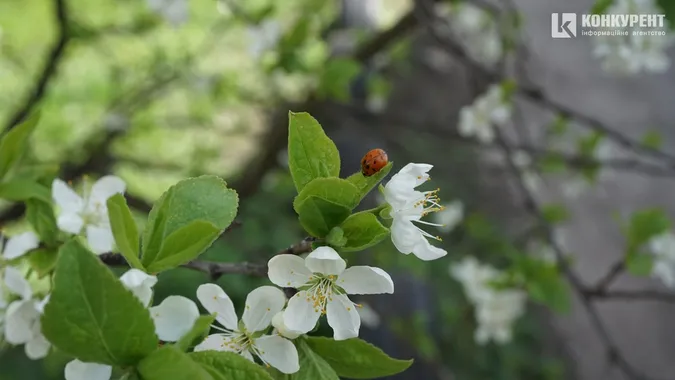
(478, 31)
(487, 112)
(496, 310)
(663, 251)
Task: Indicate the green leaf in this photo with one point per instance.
(366, 184)
(318, 216)
(15, 143)
(170, 363)
(229, 366)
(559, 126)
(552, 163)
(197, 333)
(639, 264)
(92, 316)
(184, 245)
(311, 154)
(312, 366)
(587, 145)
(42, 261)
(356, 359)
(555, 213)
(601, 6)
(652, 139)
(336, 237)
(41, 216)
(124, 229)
(334, 190)
(645, 225)
(204, 198)
(362, 230)
(337, 77)
(668, 7)
(551, 290)
(20, 189)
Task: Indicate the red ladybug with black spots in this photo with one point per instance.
(373, 162)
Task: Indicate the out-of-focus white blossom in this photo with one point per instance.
(451, 215)
(663, 249)
(478, 31)
(496, 309)
(487, 112)
(633, 53)
(263, 37)
(176, 12)
(531, 179)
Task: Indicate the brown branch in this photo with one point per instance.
(49, 68)
(216, 269)
(614, 271)
(631, 295)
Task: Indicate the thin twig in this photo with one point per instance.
(632, 295)
(49, 69)
(614, 271)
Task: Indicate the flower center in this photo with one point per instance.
(321, 289)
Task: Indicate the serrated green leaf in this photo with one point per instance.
(334, 190)
(183, 245)
(652, 139)
(170, 363)
(366, 184)
(204, 198)
(92, 316)
(555, 213)
(15, 143)
(312, 366)
(356, 359)
(229, 366)
(318, 216)
(42, 261)
(311, 154)
(20, 189)
(197, 333)
(124, 230)
(601, 6)
(639, 264)
(362, 230)
(41, 216)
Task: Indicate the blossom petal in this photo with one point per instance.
(174, 317)
(100, 239)
(261, 305)
(215, 300)
(67, 199)
(288, 271)
(17, 283)
(427, 252)
(38, 347)
(325, 260)
(18, 245)
(301, 314)
(279, 353)
(282, 329)
(343, 317)
(418, 171)
(77, 370)
(19, 319)
(140, 284)
(404, 235)
(70, 222)
(216, 342)
(365, 280)
(104, 188)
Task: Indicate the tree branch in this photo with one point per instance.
(49, 68)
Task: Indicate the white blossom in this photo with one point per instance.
(324, 281)
(409, 205)
(244, 338)
(451, 215)
(633, 53)
(282, 329)
(487, 112)
(173, 318)
(663, 249)
(19, 245)
(369, 316)
(478, 32)
(496, 309)
(531, 179)
(88, 212)
(174, 11)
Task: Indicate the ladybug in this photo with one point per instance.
(373, 162)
